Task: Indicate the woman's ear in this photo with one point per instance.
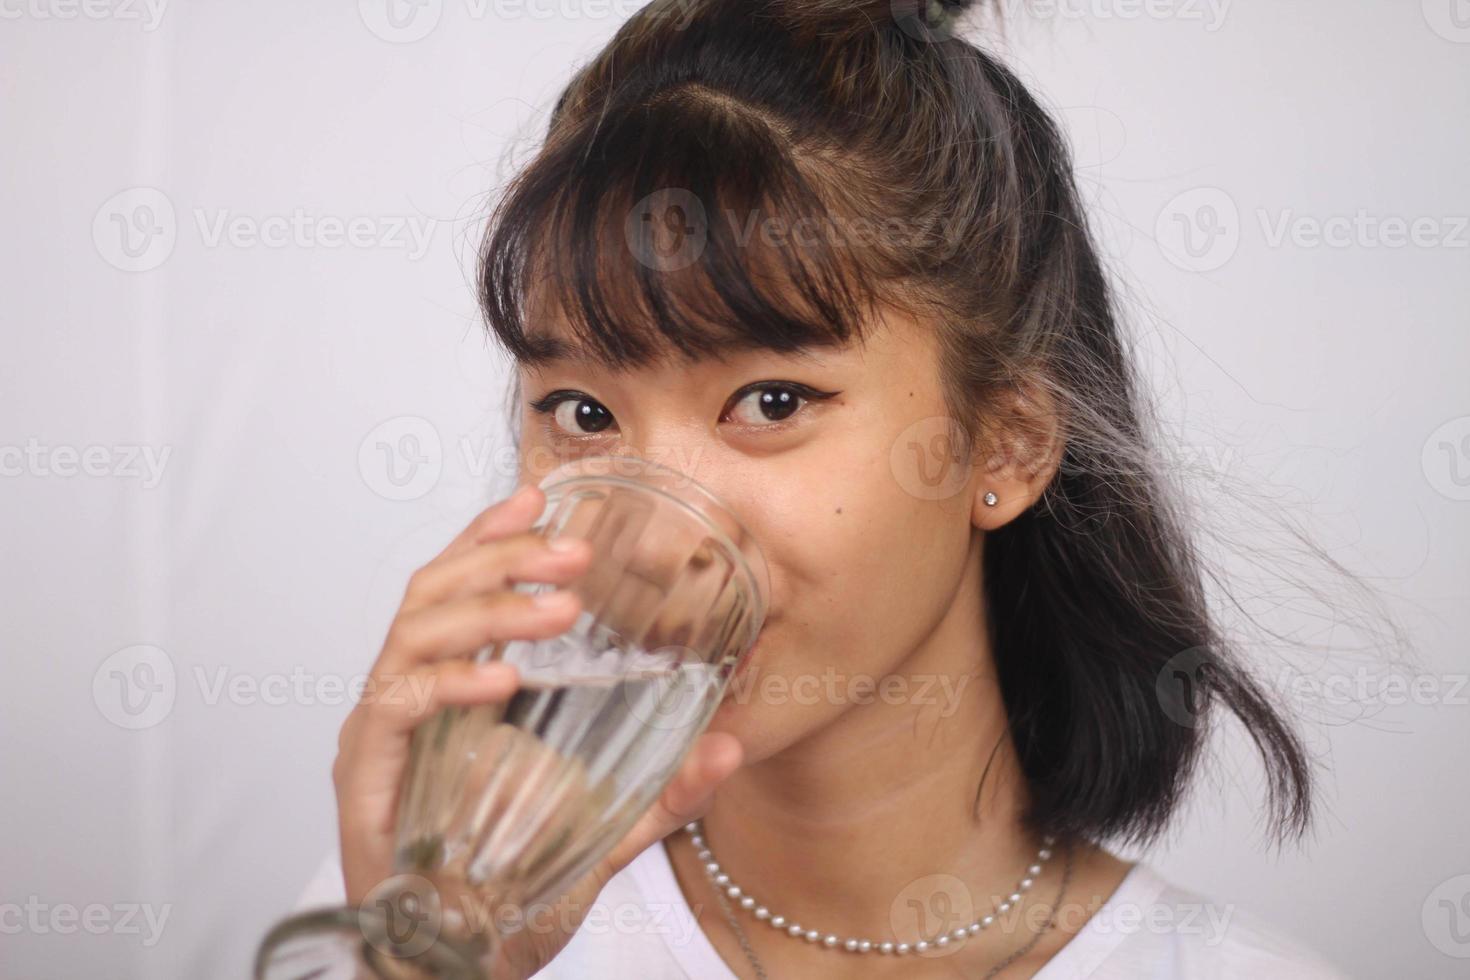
(1018, 458)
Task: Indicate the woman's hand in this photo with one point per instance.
(458, 603)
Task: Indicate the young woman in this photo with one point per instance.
(828, 256)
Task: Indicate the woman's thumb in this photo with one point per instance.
(711, 760)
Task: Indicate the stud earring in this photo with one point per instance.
(990, 498)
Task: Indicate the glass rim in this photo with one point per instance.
(751, 562)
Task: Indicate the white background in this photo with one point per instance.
(271, 552)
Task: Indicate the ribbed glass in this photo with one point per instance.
(507, 805)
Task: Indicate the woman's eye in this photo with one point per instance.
(574, 415)
(772, 403)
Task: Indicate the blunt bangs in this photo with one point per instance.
(677, 227)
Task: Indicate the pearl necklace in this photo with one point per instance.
(722, 881)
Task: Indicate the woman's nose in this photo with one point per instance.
(671, 558)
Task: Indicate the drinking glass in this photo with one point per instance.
(509, 804)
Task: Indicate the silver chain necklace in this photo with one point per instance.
(726, 889)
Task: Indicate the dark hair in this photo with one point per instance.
(701, 116)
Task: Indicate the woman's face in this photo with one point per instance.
(864, 520)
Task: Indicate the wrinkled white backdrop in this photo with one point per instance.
(245, 393)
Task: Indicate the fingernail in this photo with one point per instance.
(563, 544)
(551, 600)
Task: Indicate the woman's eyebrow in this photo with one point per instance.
(543, 351)
(548, 351)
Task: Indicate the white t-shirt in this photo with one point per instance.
(642, 928)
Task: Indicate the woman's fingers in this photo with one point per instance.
(375, 750)
(376, 731)
(711, 760)
(460, 627)
(402, 702)
(515, 513)
(490, 567)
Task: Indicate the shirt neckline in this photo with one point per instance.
(1078, 957)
